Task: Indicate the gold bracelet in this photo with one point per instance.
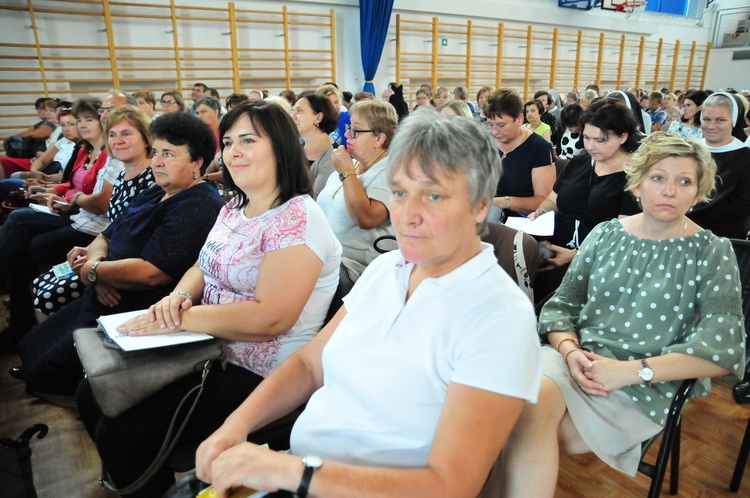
(565, 358)
(574, 339)
(507, 199)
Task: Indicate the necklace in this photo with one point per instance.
(518, 142)
(684, 230)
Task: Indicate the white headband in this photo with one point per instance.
(735, 110)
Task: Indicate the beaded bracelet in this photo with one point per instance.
(565, 358)
(574, 339)
(182, 293)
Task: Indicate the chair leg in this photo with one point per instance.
(674, 475)
(662, 460)
(739, 468)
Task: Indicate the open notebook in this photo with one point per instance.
(109, 325)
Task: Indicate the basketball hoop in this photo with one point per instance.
(632, 6)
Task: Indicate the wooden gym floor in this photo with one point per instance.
(66, 463)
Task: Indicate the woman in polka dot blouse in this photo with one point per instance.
(648, 301)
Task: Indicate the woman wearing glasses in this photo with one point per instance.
(171, 101)
(357, 193)
(689, 125)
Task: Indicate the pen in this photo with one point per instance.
(63, 203)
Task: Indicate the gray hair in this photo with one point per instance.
(130, 99)
(460, 92)
(210, 102)
(454, 146)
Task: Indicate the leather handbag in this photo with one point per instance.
(121, 379)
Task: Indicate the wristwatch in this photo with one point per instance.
(345, 173)
(646, 373)
(92, 276)
(312, 463)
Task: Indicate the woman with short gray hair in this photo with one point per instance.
(418, 372)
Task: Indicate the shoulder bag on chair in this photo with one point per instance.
(120, 380)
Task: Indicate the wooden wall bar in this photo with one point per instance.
(531, 58)
(228, 48)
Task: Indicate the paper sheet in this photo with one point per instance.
(543, 225)
(42, 209)
(109, 324)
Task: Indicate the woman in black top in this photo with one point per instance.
(590, 188)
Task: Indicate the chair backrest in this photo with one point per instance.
(502, 238)
(345, 285)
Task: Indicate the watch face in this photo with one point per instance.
(647, 374)
(342, 175)
(92, 276)
(313, 461)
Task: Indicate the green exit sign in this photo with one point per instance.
(444, 42)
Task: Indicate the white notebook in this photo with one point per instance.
(109, 324)
(543, 225)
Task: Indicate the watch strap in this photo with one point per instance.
(304, 484)
(345, 173)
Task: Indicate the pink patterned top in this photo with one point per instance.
(232, 255)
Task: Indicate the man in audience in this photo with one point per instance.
(199, 91)
(386, 95)
(460, 93)
(655, 112)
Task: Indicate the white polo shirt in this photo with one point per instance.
(388, 365)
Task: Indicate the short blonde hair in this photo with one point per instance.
(381, 117)
(660, 145)
(460, 107)
(327, 90)
(136, 118)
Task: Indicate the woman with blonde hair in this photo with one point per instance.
(456, 108)
(356, 195)
(614, 357)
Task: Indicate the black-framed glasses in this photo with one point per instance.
(103, 110)
(353, 132)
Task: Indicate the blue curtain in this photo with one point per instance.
(374, 17)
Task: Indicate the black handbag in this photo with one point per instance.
(16, 477)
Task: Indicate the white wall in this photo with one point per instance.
(543, 13)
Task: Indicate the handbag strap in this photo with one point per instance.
(167, 446)
(519, 260)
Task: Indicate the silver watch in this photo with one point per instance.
(646, 373)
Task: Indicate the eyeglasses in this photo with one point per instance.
(168, 102)
(103, 110)
(353, 132)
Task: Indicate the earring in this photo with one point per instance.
(195, 175)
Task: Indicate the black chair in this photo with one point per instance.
(670, 445)
(741, 391)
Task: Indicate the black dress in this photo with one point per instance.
(584, 199)
(727, 214)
